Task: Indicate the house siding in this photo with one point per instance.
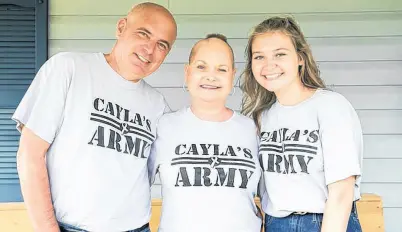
(358, 46)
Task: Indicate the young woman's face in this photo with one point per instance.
(210, 74)
(275, 63)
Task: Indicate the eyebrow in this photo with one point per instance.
(281, 49)
(200, 61)
(256, 52)
(275, 50)
(148, 32)
(221, 65)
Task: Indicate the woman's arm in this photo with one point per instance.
(339, 205)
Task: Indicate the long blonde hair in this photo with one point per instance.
(256, 98)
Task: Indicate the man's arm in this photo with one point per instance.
(31, 165)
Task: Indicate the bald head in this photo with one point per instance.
(148, 5)
(147, 8)
(209, 37)
(144, 38)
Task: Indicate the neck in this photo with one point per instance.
(210, 111)
(294, 94)
(111, 60)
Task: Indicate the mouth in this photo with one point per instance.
(142, 59)
(273, 76)
(210, 87)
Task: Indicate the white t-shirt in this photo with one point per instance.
(101, 128)
(209, 173)
(306, 147)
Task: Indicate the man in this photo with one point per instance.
(87, 122)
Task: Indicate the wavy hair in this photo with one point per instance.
(256, 98)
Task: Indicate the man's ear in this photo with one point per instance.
(121, 27)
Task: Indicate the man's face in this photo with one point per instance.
(143, 41)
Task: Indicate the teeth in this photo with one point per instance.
(209, 87)
(143, 59)
(272, 76)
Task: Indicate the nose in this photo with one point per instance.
(269, 64)
(212, 74)
(211, 77)
(149, 47)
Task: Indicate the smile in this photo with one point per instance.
(273, 76)
(209, 87)
(143, 59)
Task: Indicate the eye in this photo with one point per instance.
(258, 57)
(143, 34)
(280, 55)
(222, 70)
(200, 66)
(162, 46)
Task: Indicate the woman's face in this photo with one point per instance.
(209, 76)
(275, 63)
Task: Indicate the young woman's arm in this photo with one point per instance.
(342, 146)
(339, 205)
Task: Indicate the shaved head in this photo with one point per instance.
(144, 38)
(150, 7)
(209, 37)
(147, 5)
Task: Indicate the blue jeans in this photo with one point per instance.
(310, 222)
(69, 228)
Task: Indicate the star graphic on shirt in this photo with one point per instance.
(283, 148)
(214, 161)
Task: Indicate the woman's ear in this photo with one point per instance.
(301, 60)
(234, 76)
(186, 73)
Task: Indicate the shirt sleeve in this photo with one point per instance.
(155, 154)
(152, 163)
(167, 108)
(153, 159)
(341, 139)
(42, 106)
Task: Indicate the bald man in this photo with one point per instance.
(87, 123)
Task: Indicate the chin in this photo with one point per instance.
(137, 71)
(271, 86)
(210, 98)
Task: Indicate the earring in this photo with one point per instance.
(233, 91)
(184, 87)
(234, 87)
